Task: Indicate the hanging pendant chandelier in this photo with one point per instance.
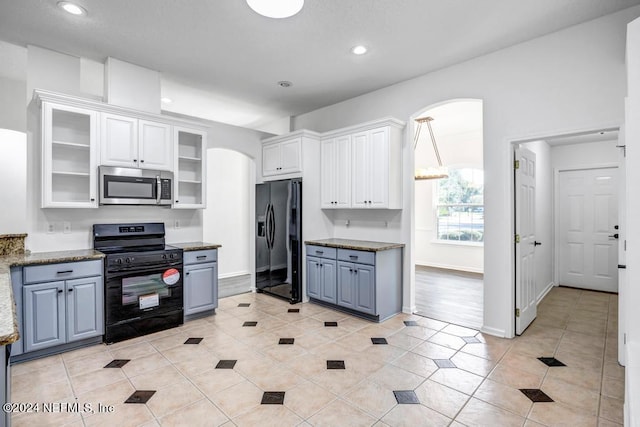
(438, 172)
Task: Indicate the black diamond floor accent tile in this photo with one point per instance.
(551, 361)
(140, 396)
(471, 340)
(226, 364)
(293, 310)
(536, 395)
(410, 323)
(327, 324)
(117, 363)
(244, 304)
(286, 341)
(193, 341)
(404, 397)
(379, 341)
(249, 323)
(444, 363)
(335, 364)
(273, 398)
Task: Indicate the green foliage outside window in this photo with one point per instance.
(460, 206)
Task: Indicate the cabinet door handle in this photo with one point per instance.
(135, 160)
(201, 257)
(351, 270)
(65, 272)
(70, 290)
(186, 274)
(141, 161)
(353, 256)
(59, 291)
(355, 271)
(93, 199)
(319, 252)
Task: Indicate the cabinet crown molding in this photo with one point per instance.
(41, 95)
(386, 121)
(305, 133)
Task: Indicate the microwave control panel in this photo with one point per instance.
(165, 189)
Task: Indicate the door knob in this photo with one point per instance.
(614, 236)
(535, 243)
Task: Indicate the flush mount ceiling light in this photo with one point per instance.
(359, 50)
(166, 100)
(72, 8)
(285, 83)
(276, 8)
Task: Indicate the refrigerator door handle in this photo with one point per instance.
(272, 226)
(267, 232)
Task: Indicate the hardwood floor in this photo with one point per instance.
(449, 295)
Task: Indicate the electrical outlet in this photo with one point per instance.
(66, 227)
(176, 223)
(51, 228)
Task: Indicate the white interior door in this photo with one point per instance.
(622, 256)
(587, 235)
(525, 207)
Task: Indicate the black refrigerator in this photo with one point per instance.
(279, 239)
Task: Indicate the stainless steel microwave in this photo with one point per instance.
(130, 186)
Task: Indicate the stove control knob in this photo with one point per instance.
(128, 260)
(118, 261)
(172, 256)
(164, 256)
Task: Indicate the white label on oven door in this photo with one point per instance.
(171, 276)
(149, 301)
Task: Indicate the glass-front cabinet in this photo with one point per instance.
(69, 160)
(189, 170)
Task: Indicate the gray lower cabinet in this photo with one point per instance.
(366, 282)
(321, 279)
(57, 312)
(200, 282)
(356, 287)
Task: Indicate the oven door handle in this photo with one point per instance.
(143, 271)
(158, 189)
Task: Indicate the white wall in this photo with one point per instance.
(13, 175)
(629, 304)
(457, 128)
(543, 217)
(576, 156)
(567, 81)
(226, 218)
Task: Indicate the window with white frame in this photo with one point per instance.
(460, 206)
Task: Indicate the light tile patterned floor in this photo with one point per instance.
(577, 327)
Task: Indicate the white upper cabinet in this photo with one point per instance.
(282, 157)
(69, 156)
(155, 145)
(133, 143)
(335, 174)
(371, 169)
(362, 166)
(189, 173)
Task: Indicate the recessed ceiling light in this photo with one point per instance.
(72, 8)
(359, 50)
(276, 8)
(285, 83)
(166, 100)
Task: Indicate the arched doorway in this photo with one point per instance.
(448, 231)
(228, 218)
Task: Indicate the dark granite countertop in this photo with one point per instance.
(359, 245)
(195, 246)
(8, 322)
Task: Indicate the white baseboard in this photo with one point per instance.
(451, 267)
(544, 293)
(409, 310)
(500, 333)
(234, 274)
